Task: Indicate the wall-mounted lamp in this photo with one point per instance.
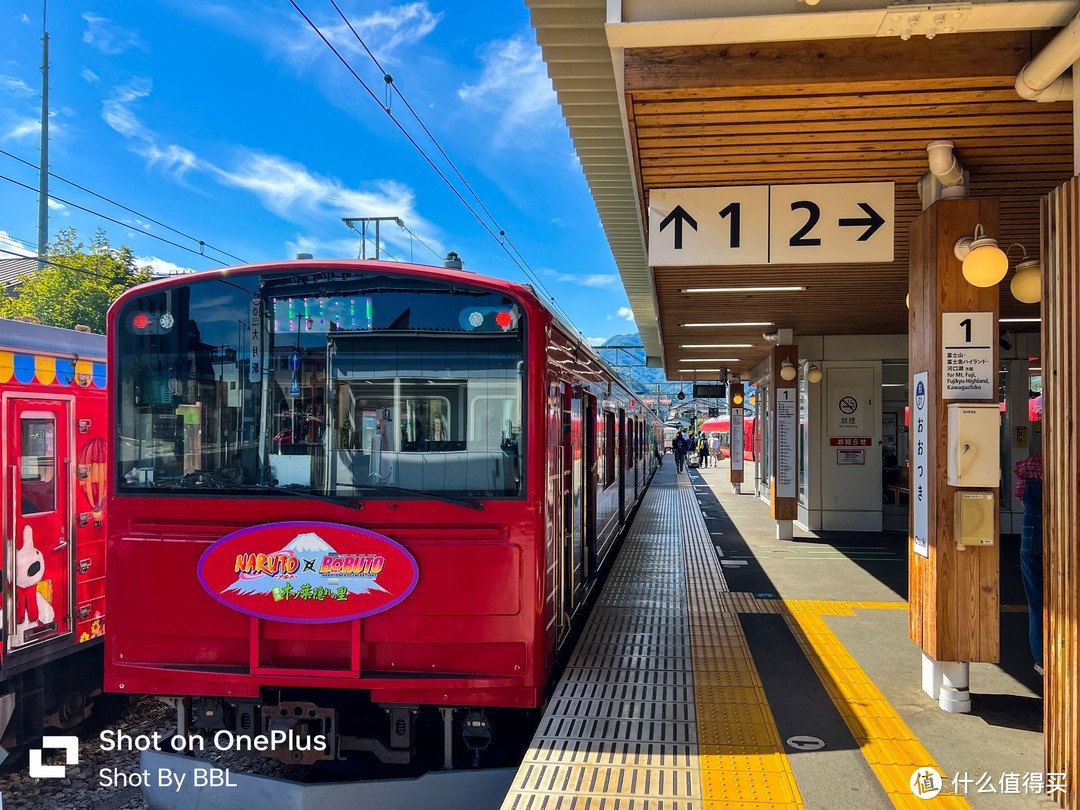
(985, 264)
(737, 400)
(753, 399)
(1026, 284)
(787, 370)
(813, 374)
(907, 300)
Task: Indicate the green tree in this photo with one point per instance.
(77, 285)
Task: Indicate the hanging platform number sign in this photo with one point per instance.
(967, 355)
(828, 223)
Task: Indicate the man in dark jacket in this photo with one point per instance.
(680, 446)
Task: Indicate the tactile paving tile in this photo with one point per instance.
(661, 668)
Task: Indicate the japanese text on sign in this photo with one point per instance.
(920, 454)
(967, 355)
(786, 425)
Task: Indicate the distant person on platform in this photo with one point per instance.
(680, 445)
(714, 447)
(1029, 489)
(703, 450)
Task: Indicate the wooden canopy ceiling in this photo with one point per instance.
(854, 110)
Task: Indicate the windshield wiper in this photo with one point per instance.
(301, 493)
(416, 492)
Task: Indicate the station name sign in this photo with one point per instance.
(824, 223)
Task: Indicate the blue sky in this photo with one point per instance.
(235, 124)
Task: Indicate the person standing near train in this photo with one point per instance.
(680, 446)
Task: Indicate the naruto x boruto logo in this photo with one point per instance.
(307, 572)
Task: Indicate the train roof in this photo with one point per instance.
(38, 337)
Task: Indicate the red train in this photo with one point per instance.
(722, 425)
(52, 391)
(354, 499)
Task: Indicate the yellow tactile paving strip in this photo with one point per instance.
(742, 759)
(661, 706)
(891, 748)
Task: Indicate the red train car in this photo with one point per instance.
(722, 425)
(353, 498)
(52, 392)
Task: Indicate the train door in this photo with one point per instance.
(622, 466)
(591, 482)
(37, 547)
(567, 559)
(577, 494)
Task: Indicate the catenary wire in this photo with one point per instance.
(200, 242)
(396, 89)
(390, 80)
(110, 219)
(523, 266)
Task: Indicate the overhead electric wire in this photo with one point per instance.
(396, 89)
(114, 279)
(421, 241)
(519, 262)
(200, 242)
(111, 219)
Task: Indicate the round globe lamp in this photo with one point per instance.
(985, 264)
(1026, 284)
(813, 374)
(787, 370)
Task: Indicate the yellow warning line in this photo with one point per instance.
(891, 748)
(741, 756)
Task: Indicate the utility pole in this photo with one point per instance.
(43, 173)
(351, 222)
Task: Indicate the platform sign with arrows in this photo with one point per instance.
(837, 223)
(698, 226)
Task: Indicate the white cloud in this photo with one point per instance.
(596, 341)
(89, 76)
(626, 312)
(58, 207)
(586, 280)
(116, 110)
(13, 245)
(284, 187)
(12, 85)
(21, 128)
(108, 37)
(24, 19)
(387, 31)
(514, 85)
(161, 267)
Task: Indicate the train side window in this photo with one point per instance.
(37, 465)
(609, 449)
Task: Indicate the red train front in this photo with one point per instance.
(353, 500)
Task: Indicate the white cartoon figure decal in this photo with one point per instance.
(32, 608)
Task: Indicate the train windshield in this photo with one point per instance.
(340, 383)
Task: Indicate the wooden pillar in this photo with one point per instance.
(736, 408)
(1061, 485)
(953, 593)
(784, 477)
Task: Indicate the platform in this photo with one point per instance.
(722, 668)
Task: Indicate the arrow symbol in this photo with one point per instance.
(872, 222)
(680, 216)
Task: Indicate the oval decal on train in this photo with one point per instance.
(307, 572)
